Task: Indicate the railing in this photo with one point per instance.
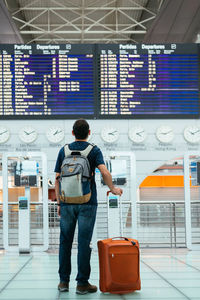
(160, 224)
(195, 220)
(54, 225)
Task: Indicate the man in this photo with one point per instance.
(84, 214)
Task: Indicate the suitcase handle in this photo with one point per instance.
(126, 239)
(120, 237)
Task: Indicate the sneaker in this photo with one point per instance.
(84, 289)
(63, 287)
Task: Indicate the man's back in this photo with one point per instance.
(95, 158)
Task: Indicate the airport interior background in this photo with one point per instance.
(131, 68)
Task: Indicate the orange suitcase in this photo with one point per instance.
(119, 265)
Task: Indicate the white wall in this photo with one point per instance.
(149, 155)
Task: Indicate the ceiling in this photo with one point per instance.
(83, 21)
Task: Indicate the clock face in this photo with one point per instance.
(110, 134)
(137, 134)
(28, 134)
(165, 134)
(55, 134)
(4, 134)
(192, 134)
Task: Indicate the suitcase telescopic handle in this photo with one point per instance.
(120, 211)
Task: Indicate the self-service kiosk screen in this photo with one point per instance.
(25, 173)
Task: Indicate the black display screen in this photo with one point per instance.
(46, 81)
(99, 81)
(149, 80)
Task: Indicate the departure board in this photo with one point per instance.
(140, 80)
(99, 81)
(48, 81)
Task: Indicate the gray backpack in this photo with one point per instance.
(75, 176)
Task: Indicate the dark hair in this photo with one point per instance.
(81, 129)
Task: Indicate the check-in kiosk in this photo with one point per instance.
(24, 222)
(123, 170)
(25, 202)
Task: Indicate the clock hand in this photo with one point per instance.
(3, 132)
(194, 131)
(166, 132)
(112, 133)
(138, 133)
(57, 132)
(31, 132)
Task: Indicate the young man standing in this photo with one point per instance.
(84, 214)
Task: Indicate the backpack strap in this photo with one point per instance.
(87, 150)
(83, 152)
(67, 150)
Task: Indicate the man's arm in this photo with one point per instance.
(57, 187)
(57, 191)
(107, 177)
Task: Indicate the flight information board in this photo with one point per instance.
(148, 80)
(39, 81)
(99, 81)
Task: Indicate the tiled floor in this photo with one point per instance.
(165, 274)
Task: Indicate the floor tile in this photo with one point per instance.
(179, 275)
(97, 296)
(39, 277)
(152, 293)
(20, 294)
(149, 275)
(30, 284)
(191, 292)
(9, 270)
(28, 271)
(185, 283)
(148, 283)
(140, 297)
(6, 276)
(2, 283)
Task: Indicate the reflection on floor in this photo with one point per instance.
(165, 274)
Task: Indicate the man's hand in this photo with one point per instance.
(58, 210)
(108, 180)
(116, 191)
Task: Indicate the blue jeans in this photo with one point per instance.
(85, 214)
